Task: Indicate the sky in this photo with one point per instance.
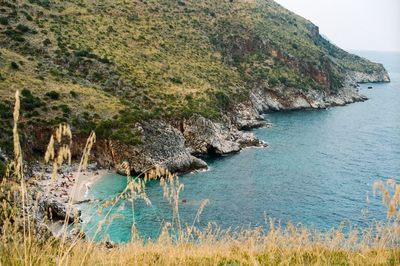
(371, 25)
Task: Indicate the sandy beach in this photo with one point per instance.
(72, 185)
(85, 181)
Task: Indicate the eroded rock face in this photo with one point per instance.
(57, 210)
(205, 136)
(162, 145)
(246, 117)
(172, 147)
(362, 77)
(165, 145)
(265, 98)
(279, 98)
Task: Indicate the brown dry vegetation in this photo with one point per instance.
(23, 241)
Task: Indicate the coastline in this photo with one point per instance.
(84, 183)
(60, 198)
(70, 185)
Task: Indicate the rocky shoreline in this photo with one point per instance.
(179, 146)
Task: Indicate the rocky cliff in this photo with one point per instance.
(175, 148)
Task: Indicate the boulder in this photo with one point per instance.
(246, 117)
(204, 136)
(57, 210)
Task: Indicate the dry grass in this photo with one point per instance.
(88, 99)
(24, 242)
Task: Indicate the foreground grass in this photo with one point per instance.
(234, 252)
(276, 246)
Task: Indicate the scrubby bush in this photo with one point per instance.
(273, 81)
(3, 20)
(5, 111)
(14, 65)
(65, 108)
(43, 3)
(29, 102)
(53, 95)
(82, 53)
(176, 80)
(26, 93)
(3, 169)
(223, 100)
(23, 28)
(27, 16)
(32, 114)
(14, 35)
(46, 42)
(74, 94)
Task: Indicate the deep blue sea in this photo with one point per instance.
(318, 170)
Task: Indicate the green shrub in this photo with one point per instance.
(32, 114)
(82, 53)
(104, 60)
(26, 93)
(133, 17)
(273, 81)
(222, 100)
(53, 95)
(46, 42)
(27, 16)
(176, 80)
(29, 102)
(23, 28)
(5, 111)
(74, 94)
(43, 3)
(3, 20)
(14, 65)
(64, 108)
(3, 169)
(98, 76)
(14, 35)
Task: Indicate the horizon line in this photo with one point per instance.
(372, 50)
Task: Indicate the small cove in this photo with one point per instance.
(318, 171)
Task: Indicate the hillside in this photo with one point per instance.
(107, 65)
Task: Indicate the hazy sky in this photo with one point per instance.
(353, 24)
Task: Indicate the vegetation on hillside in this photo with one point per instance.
(106, 65)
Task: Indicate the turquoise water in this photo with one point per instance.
(318, 170)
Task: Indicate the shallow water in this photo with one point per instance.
(318, 170)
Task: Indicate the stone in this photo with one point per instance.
(204, 136)
(57, 210)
